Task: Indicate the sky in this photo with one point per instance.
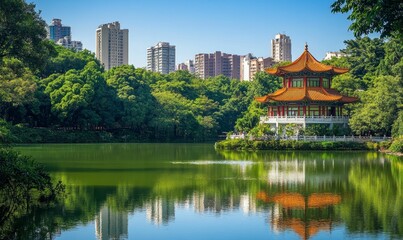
(205, 26)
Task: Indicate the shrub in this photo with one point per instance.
(397, 145)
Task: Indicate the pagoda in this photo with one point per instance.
(306, 96)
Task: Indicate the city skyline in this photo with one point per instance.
(202, 26)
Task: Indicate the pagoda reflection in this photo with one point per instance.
(304, 214)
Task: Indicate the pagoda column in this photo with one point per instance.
(304, 109)
(341, 110)
(298, 111)
(278, 111)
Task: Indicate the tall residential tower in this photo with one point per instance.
(218, 63)
(281, 48)
(112, 45)
(57, 31)
(161, 58)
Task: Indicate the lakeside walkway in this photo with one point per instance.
(316, 138)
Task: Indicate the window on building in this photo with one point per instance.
(325, 83)
(314, 111)
(313, 82)
(292, 111)
(297, 82)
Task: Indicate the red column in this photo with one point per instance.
(298, 111)
(278, 111)
(304, 109)
(283, 111)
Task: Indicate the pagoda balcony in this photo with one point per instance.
(304, 119)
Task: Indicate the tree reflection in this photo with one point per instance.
(305, 192)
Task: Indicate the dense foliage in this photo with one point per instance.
(47, 91)
(24, 184)
(383, 16)
(241, 144)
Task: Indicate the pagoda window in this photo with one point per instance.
(297, 82)
(314, 111)
(292, 111)
(325, 82)
(313, 82)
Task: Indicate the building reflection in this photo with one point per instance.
(111, 224)
(160, 210)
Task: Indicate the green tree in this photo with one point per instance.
(135, 102)
(379, 107)
(22, 34)
(17, 87)
(383, 16)
(73, 96)
(364, 56)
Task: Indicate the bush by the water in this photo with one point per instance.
(397, 145)
(23, 184)
(241, 144)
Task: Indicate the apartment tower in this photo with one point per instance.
(251, 65)
(112, 45)
(161, 58)
(57, 31)
(281, 48)
(218, 63)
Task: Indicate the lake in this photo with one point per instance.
(192, 191)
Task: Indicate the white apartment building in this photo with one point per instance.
(281, 48)
(161, 58)
(187, 65)
(250, 65)
(68, 43)
(330, 55)
(112, 45)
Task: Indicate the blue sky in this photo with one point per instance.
(205, 26)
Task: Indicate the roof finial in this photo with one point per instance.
(306, 46)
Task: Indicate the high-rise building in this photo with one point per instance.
(188, 66)
(250, 65)
(112, 45)
(56, 30)
(161, 58)
(214, 64)
(281, 48)
(68, 43)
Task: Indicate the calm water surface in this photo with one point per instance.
(191, 191)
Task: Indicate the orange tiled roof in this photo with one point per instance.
(306, 94)
(306, 62)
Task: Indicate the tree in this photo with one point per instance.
(17, 87)
(73, 96)
(379, 107)
(364, 56)
(135, 102)
(383, 16)
(22, 34)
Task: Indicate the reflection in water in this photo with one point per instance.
(300, 213)
(111, 224)
(160, 210)
(298, 193)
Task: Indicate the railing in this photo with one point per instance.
(304, 119)
(316, 138)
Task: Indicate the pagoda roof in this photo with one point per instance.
(306, 62)
(318, 94)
